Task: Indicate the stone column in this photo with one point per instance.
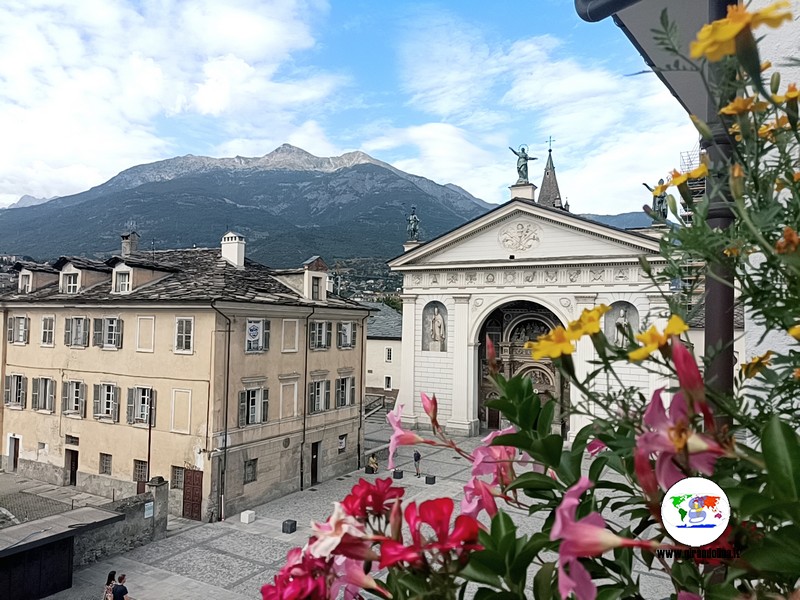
(462, 419)
(160, 490)
(406, 394)
(584, 352)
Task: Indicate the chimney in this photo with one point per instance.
(130, 243)
(233, 249)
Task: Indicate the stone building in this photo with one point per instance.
(234, 381)
(384, 350)
(513, 274)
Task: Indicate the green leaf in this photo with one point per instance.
(551, 449)
(774, 556)
(609, 593)
(782, 457)
(543, 582)
(545, 421)
(525, 555)
(533, 481)
(477, 570)
(502, 525)
(414, 583)
(596, 468)
(520, 440)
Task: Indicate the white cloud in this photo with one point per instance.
(88, 88)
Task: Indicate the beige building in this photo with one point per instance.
(236, 382)
(384, 350)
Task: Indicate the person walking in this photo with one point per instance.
(120, 590)
(108, 591)
(417, 458)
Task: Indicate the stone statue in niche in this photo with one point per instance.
(434, 336)
(622, 319)
(621, 325)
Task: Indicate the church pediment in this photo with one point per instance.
(524, 231)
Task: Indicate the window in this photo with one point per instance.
(140, 470)
(319, 396)
(387, 383)
(107, 333)
(106, 401)
(73, 398)
(319, 334)
(176, 481)
(388, 358)
(14, 390)
(345, 391)
(140, 401)
(76, 331)
(69, 283)
(315, 282)
(105, 464)
(25, 283)
(71, 440)
(342, 443)
(122, 282)
(253, 406)
(184, 327)
(257, 335)
(43, 394)
(18, 328)
(346, 335)
(250, 470)
(48, 331)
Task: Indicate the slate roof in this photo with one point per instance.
(549, 194)
(385, 323)
(82, 263)
(197, 275)
(38, 267)
(698, 320)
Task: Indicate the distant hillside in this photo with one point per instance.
(629, 220)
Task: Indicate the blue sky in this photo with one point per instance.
(440, 89)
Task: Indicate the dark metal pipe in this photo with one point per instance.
(224, 462)
(304, 391)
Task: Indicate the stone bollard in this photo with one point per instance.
(397, 474)
(289, 526)
(160, 490)
(430, 479)
(247, 516)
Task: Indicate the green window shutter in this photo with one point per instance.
(338, 393)
(118, 335)
(7, 390)
(116, 404)
(352, 390)
(97, 337)
(85, 340)
(51, 396)
(10, 330)
(35, 394)
(265, 335)
(68, 331)
(327, 394)
(242, 408)
(131, 416)
(26, 331)
(339, 335)
(23, 392)
(153, 407)
(312, 338)
(264, 405)
(96, 403)
(310, 397)
(328, 333)
(354, 335)
(64, 396)
(83, 400)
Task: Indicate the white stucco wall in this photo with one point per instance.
(377, 367)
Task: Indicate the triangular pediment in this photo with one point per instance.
(525, 231)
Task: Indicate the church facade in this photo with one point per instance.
(511, 275)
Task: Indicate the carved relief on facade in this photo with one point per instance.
(519, 236)
(529, 277)
(452, 278)
(434, 279)
(490, 278)
(472, 278)
(416, 279)
(509, 277)
(566, 303)
(621, 275)
(597, 274)
(551, 276)
(477, 304)
(574, 275)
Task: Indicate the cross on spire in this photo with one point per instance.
(550, 141)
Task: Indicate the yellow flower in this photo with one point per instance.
(554, 344)
(653, 339)
(678, 178)
(791, 94)
(797, 373)
(718, 39)
(796, 176)
(590, 319)
(739, 106)
(756, 365)
(766, 65)
(767, 130)
(736, 131)
(794, 331)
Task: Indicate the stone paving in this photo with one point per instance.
(232, 560)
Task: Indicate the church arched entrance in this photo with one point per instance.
(509, 327)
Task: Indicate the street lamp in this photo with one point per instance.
(636, 18)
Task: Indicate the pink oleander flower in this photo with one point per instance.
(671, 436)
(478, 496)
(436, 514)
(644, 473)
(401, 437)
(585, 538)
(691, 381)
(595, 447)
(303, 577)
(340, 534)
(351, 579)
(367, 498)
(497, 461)
(431, 408)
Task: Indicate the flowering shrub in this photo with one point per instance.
(601, 496)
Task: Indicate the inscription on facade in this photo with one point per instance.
(519, 236)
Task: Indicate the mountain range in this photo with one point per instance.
(289, 205)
